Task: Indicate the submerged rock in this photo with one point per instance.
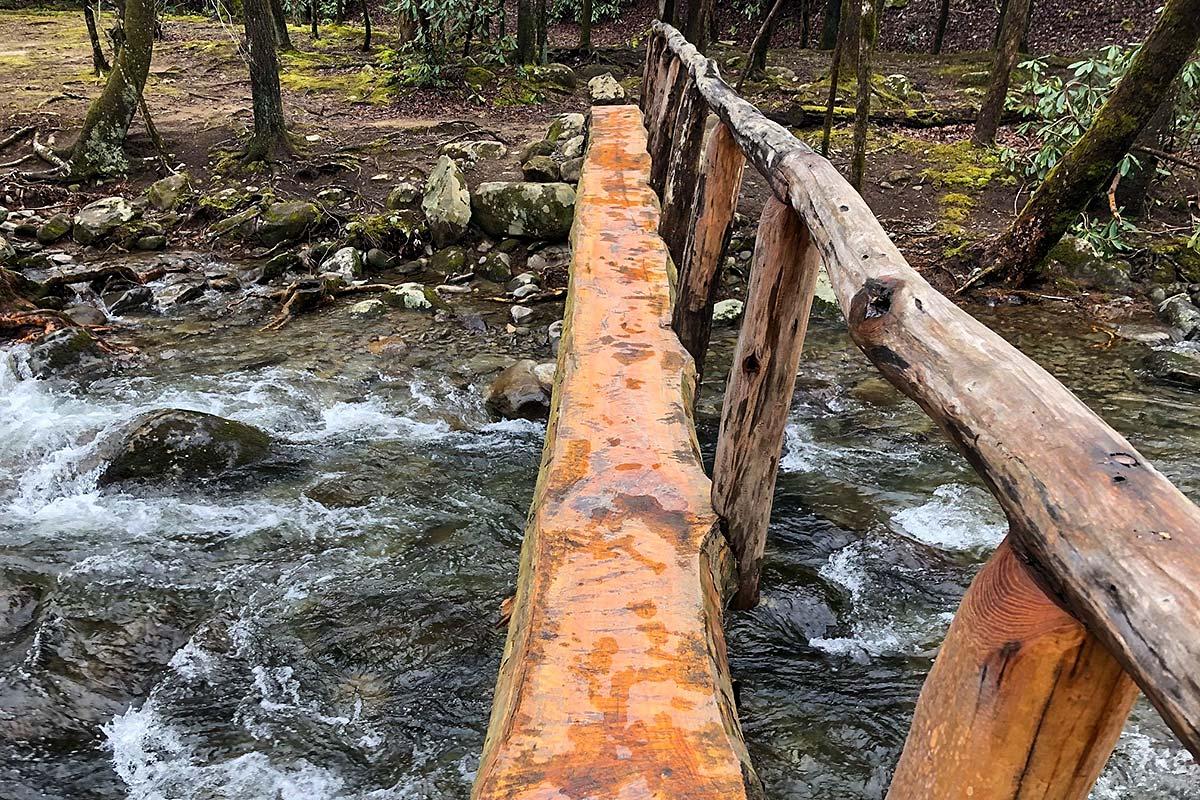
(529, 210)
(174, 444)
(97, 220)
(517, 393)
(446, 202)
(1172, 366)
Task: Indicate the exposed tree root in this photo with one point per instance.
(17, 136)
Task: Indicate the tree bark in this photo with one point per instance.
(943, 21)
(1089, 164)
(527, 34)
(314, 16)
(366, 12)
(756, 61)
(99, 62)
(666, 11)
(699, 14)
(542, 29)
(100, 148)
(585, 25)
(270, 141)
(835, 72)
(831, 24)
(761, 382)
(805, 23)
(869, 30)
(283, 39)
(1012, 26)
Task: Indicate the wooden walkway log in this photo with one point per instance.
(614, 681)
(1022, 701)
(683, 162)
(759, 392)
(712, 212)
(1116, 542)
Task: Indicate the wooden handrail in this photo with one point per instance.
(1106, 535)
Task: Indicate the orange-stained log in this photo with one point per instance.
(761, 380)
(614, 682)
(1022, 702)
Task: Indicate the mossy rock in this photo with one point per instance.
(166, 194)
(557, 77)
(402, 232)
(171, 445)
(479, 78)
(565, 126)
(225, 201)
(449, 261)
(54, 228)
(528, 210)
(287, 222)
(239, 224)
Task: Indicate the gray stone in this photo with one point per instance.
(414, 297)
(7, 253)
(557, 76)
(554, 334)
(54, 228)
(520, 314)
(527, 290)
(540, 169)
(132, 299)
(446, 202)
(528, 210)
(516, 393)
(167, 193)
(97, 220)
(566, 126)
(171, 445)
(152, 242)
(545, 375)
(287, 222)
(368, 309)
(67, 351)
(1171, 366)
(472, 152)
(494, 266)
(603, 90)
(346, 262)
(1178, 312)
(377, 259)
(572, 148)
(728, 311)
(571, 169)
(86, 314)
(542, 147)
(404, 195)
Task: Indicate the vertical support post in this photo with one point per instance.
(712, 211)
(649, 89)
(759, 393)
(658, 141)
(679, 187)
(664, 133)
(1021, 702)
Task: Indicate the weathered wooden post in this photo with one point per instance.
(1022, 701)
(712, 212)
(759, 392)
(683, 161)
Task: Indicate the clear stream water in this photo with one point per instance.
(326, 627)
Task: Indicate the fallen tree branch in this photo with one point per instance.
(1165, 156)
(48, 155)
(17, 135)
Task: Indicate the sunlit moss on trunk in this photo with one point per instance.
(1089, 164)
(100, 148)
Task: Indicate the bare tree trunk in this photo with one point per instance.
(699, 14)
(943, 21)
(666, 11)
(99, 62)
(835, 71)
(805, 23)
(1024, 46)
(756, 61)
(367, 27)
(585, 25)
(868, 31)
(1011, 29)
(270, 141)
(1089, 164)
(282, 39)
(831, 25)
(542, 50)
(100, 148)
(314, 15)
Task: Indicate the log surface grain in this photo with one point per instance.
(614, 681)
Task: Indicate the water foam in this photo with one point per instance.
(957, 517)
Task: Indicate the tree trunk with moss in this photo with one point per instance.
(1011, 30)
(831, 24)
(100, 148)
(585, 25)
(270, 141)
(279, 18)
(1088, 166)
(868, 32)
(527, 32)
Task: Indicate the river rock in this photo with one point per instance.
(401, 232)
(54, 228)
(405, 194)
(520, 314)
(7, 253)
(728, 311)
(67, 352)
(86, 314)
(170, 445)
(167, 193)
(529, 210)
(540, 169)
(97, 220)
(150, 243)
(495, 266)
(554, 335)
(414, 297)
(516, 393)
(287, 222)
(131, 299)
(446, 202)
(449, 261)
(572, 148)
(378, 260)
(471, 152)
(566, 126)
(603, 90)
(240, 223)
(542, 147)
(1077, 261)
(1178, 312)
(368, 309)
(1175, 367)
(346, 262)
(571, 169)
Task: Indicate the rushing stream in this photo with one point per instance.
(326, 627)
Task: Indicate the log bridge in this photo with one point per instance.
(614, 683)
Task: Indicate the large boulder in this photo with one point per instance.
(605, 91)
(519, 392)
(287, 222)
(446, 202)
(167, 193)
(1178, 312)
(529, 210)
(171, 445)
(552, 76)
(68, 352)
(1076, 261)
(1172, 366)
(97, 220)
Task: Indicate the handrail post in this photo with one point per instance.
(1021, 702)
(683, 161)
(759, 393)
(711, 219)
